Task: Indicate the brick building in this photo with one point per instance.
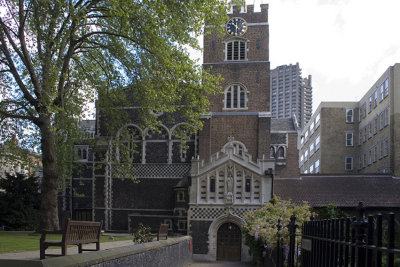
(226, 170)
(356, 137)
(231, 174)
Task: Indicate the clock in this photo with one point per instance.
(236, 26)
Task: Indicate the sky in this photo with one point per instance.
(345, 45)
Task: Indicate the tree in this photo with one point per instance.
(261, 225)
(55, 55)
(19, 202)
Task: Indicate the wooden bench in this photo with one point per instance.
(162, 231)
(74, 233)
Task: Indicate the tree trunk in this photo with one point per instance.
(49, 203)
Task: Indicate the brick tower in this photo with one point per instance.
(232, 173)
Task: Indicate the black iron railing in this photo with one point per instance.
(357, 241)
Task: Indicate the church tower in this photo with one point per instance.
(241, 57)
(232, 173)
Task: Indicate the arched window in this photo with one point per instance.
(236, 50)
(281, 152)
(235, 97)
(272, 152)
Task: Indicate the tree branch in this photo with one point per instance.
(27, 60)
(14, 71)
(21, 117)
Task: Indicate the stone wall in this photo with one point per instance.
(172, 252)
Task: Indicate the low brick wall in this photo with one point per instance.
(172, 252)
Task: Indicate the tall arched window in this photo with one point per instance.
(235, 97)
(281, 152)
(272, 152)
(236, 50)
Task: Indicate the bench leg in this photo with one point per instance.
(42, 247)
(64, 249)
(42, 251)
(80, 248)
(98, 245)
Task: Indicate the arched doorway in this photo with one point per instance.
(229, 242)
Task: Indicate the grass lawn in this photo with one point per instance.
(13, 242)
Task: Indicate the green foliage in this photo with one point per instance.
(21, 241)
(19, 202)
(261, 225)
(58, 56)
(330, 211)
(142, 234)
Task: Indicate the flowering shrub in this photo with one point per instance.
(142, 234)
(261, 225)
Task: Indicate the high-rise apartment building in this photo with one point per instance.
(291, 94)
(356, 137)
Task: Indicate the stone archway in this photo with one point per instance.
(229, 242)
(216, 226)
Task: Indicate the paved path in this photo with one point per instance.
(35, 254)
(219, 264)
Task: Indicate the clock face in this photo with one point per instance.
(236, 26)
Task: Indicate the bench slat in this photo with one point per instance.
(75, 233)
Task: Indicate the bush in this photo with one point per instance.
(142, 234)
(19, 202)
(261, 225)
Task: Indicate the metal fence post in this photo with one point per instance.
(279, 245)
(360, 226)
(292, 234)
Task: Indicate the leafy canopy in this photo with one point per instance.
(262, 224)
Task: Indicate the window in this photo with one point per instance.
(349, 115)
(360, 162)
(364, 160)
(386, 117)
(311, 149)
(306, 135)
(369, 157)
(365, 134)
(180, 196)
(386, 87)
(301, 159)
(376, 125)
(348, 163)
(385, 147)
(306, 155)
(360, 135)
(312, 128)
(316, 165)
(375, 153)
(212, 184)
(281, 152)
(272, 152)
(248, 184)
(235, 97)
(375, 98)
(381, 150)
(311, 169)
(317, 118)
(82, 152)
(236, 50)
(381, 92)
(317, 142)
(369, 129)
(349, 138)
(370, 104)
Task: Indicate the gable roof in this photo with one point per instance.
(343, 191)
